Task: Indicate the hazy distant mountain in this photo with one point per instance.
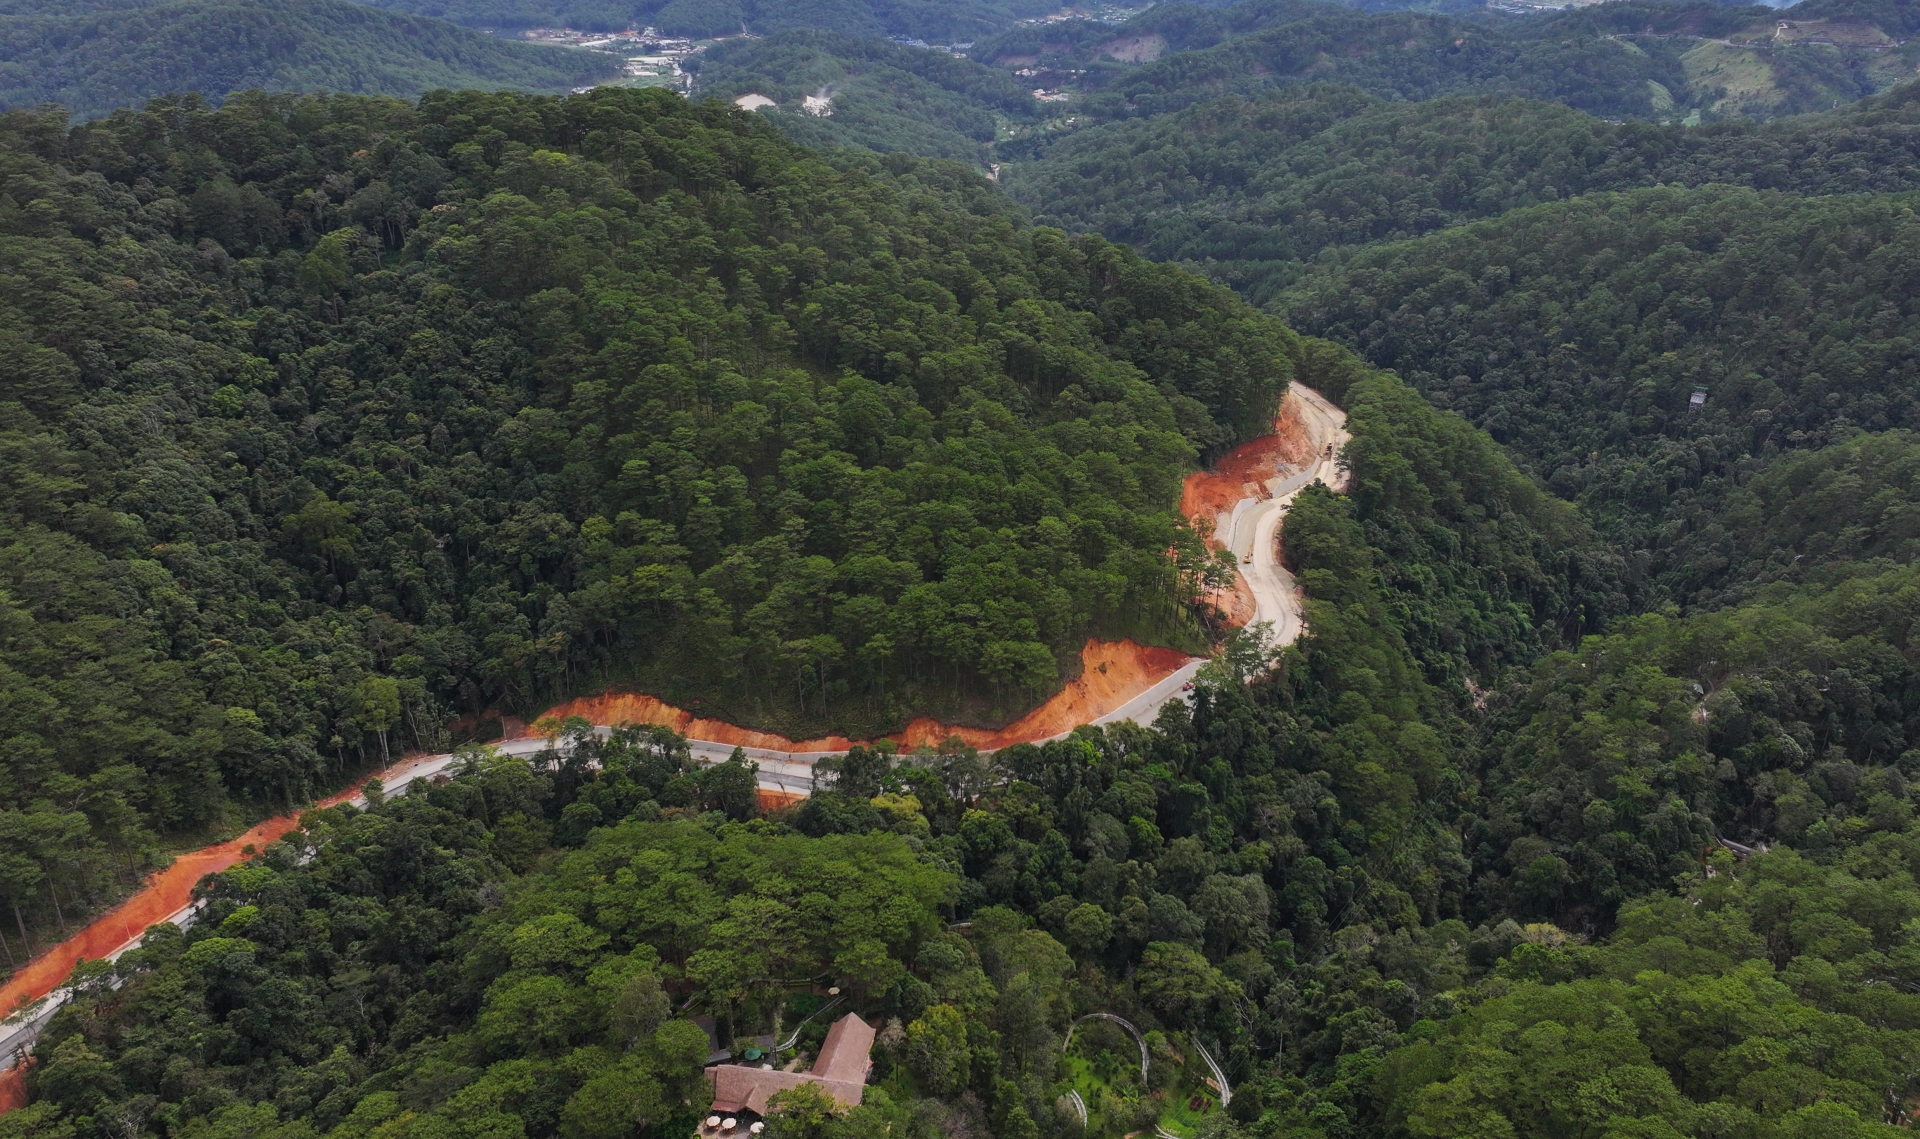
(1632, 59)
(932, 20)
(837, 90)
(94, 55)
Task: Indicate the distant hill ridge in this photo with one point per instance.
(1628, 59)
(1015, 96)
(941, 21)
(96, 55)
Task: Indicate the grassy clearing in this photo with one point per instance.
(1104, 1068)
(1731, 80)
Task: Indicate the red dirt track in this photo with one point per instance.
(1243, 471)
(1239, 475)
(166, 893)
(1112, 672)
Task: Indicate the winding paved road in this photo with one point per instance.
(1253, 528)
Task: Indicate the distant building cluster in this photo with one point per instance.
(651, 59)
(950, 49)
(1096, 13)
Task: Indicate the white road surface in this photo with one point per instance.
(1253, 526)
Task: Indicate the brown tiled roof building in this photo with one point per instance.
(840, 1071)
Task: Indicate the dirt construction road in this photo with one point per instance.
(1252, 529)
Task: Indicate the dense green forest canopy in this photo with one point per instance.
(1584, 805)
(1401, 55)
(1377, 923)
(94, 59)
(1385, 902)
(1150, 92)
(1630, 59)
(1577, 333)
(330, 419)
(1253, 189)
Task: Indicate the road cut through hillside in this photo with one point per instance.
(1119, 680)
(1244, 498)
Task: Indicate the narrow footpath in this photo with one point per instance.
(1247, 495)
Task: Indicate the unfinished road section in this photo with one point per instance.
(1248, 496)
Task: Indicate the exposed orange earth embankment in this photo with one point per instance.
(1243, 473)
(165, 894)
(774, 800)
(1111, 673)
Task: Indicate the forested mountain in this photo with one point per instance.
(1578, 332)
(94, 61)
(1252, 190)
(878, 95)
(1629, 59)
(1303, 876)
(331, 418)
(1412, 56)
(1153, 89)
(1584, 806)
(959, 21)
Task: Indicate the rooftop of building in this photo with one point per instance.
(741, 1093)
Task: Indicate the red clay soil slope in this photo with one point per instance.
(1111, 673)
(1243, 473)
(166, 893)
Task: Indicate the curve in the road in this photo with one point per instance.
(1144, 682)
(1270, 472)
(1121, 679)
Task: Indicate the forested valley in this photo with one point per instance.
(1254, 191)
(1188, 86)
(884, 97)
(338, 427)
